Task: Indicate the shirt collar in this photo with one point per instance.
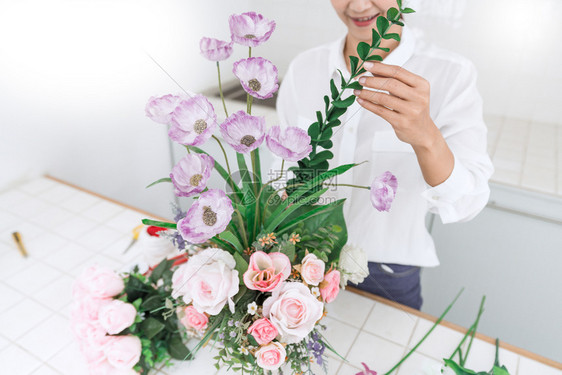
(399, 56)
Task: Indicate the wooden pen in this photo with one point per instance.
(17, 238)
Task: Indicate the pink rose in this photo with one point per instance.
(293, 310)
(105, 368)
(89, 333)
(194, 319)
(267, 271)
(271, 357)
(123, 352)
(88, 308)
(263, 331)
(94, 355)
(208, 279)
(116, 316)
(330, 287)
(312, 269)
(101, 282)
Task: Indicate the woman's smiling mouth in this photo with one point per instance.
(363, 21)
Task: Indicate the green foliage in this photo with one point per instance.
(161, 224)
(165, 179)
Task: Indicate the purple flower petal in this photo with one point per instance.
(191, 173)
(291, 144)
(383, 191)
(258, 76)
(250, 29)
(214, 49)
(243, 132)
(193, 121)
(367, 371)
(208, 216)
(159, 109)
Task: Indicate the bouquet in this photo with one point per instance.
(264, 261)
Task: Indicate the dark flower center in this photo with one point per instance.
(250, 36)
(209, 216)
(195, 179)
(247, 140)
(199, 126)
(254, 84)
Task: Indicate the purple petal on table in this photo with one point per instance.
(383, 191)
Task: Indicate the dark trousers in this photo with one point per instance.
(395, 282)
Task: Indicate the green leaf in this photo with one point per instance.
(160, 224)
(458, 369)
(241, 266)
(326, 144)
(392, 36)
(159, 270)
(408, 10)
(151, 327)
(326, 134)
(135, 289)
(354, 61)
(363, 50)
(399, 3)
(314, 130)
(327, 102)
(319, 117)
(334, 89)
(344, 103)
(392, 14)
(177, 348)
(499, 370)
(322, 156)
(376, 38)
(382, 25)
(374, 58)
(400, 23)
(354, 86)
(152, 303)
(384, 49)
(231, 239)
(335, 113)
(165, 179)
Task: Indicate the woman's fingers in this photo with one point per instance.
(387, 100)
(380, 110)
(394, 86)
(393, 71)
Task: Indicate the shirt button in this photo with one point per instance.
(435, 197)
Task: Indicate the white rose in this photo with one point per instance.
(353, 265)
(208, 279)
(312, 269)
(293, 310)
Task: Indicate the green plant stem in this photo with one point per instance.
(242, 228)
(257, 213)
(427, 334)
(350, 185)
(471, 331)
(225, 156)
(497, 360)
(220, 89)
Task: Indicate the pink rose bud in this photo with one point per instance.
(101, 282)
(312, 269)
(123, 352)
(331, 286)
(194, 319)
(88, 308)
(116, 316)
(267, 271)
(271, 356)
(263, 331)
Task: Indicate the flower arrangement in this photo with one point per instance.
(263, 263)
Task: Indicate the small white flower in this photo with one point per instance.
(244, 351)
(315, 291)
(252, 308)
(353, 265)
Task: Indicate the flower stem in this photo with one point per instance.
(220, 89)
(242, 227)
(225, 156)
(427, 334)
(471, 331)
(350, 185)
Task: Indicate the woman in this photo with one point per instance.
(424, 125)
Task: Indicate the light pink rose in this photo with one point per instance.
(123, 352)
(194, 319)
(101, 282)
(94, 355)
(88, 308)
(263, 331)
(89, 333)
(208, 279)
(293, 310)
(312, 269)
(271, 356)
(330, 287)
(266, 272)
(116, 316)
(105, 368)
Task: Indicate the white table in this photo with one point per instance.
(65, 229)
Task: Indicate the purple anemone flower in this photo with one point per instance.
(191, 173)
(383, 191)
(193, 121)
(159, 109)
(214, 49)
(291, 144)
(243, 132)
(250, 29)
(208, 216)
(258, 76)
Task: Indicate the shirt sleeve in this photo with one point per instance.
(466, 191)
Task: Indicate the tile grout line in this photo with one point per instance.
(407, 347)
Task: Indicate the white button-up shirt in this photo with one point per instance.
(398, 236)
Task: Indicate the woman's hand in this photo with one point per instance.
(405, 107)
